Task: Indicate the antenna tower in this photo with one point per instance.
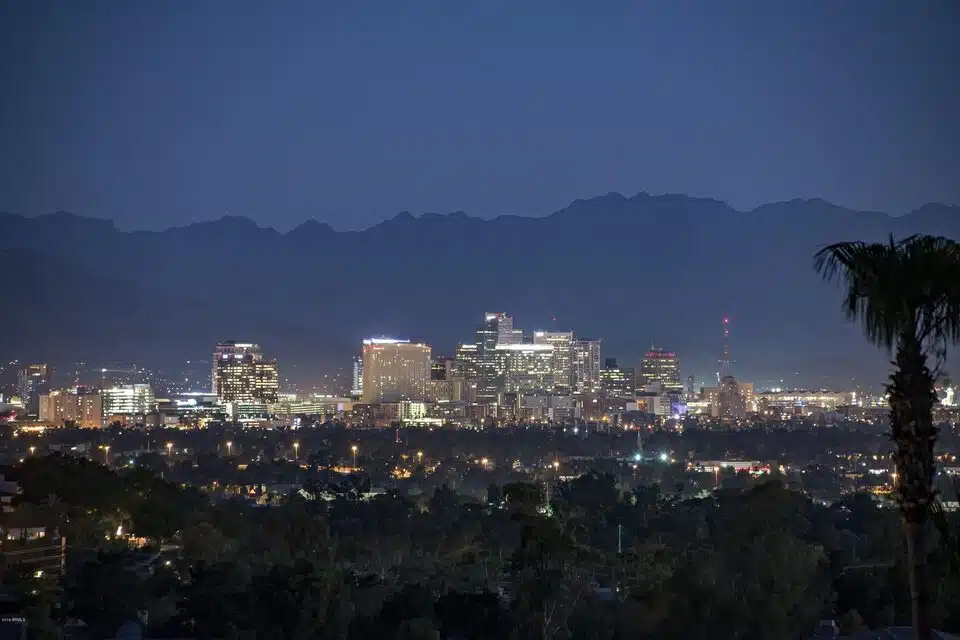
(725, 363)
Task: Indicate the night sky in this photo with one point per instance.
(159, 113)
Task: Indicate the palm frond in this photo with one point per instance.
(910, 285)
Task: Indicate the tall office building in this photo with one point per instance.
(128, 399)
(467, 364)
(33, 381)
(242, 377)
(230, 351)
(356, 388)
(617, 382)
(586, 366)
(395, 370)
(663, 368)
(562, 343)
(525, 368)
(497, 329)
(82, 409)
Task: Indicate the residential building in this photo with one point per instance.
(81, 409)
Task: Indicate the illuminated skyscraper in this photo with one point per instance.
(395, 370)
(586, 366)
(497, 329)
(617, 382)
(525, 368)
(467, 362)
(562, 343)
(356, 388)
(33, 381)
(231, 350)
(663, 368)
(242, 377)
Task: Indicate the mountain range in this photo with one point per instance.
(633, 271)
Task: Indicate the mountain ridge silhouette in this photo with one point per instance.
(629, 270)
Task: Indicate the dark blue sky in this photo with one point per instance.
(159, 113)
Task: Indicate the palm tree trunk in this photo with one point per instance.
(919, 581)
(912, 397)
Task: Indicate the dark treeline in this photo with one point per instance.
(588, 558)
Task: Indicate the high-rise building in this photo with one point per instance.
(356, 389)
(497, 329)
(242, 377)
(525, 368)
(617, 382)
(443, 368)
(33, 381)
(562, 343)
(128, 399)
(82, 409)
(231, 350)
(467, 364)
(395, 370)
(663, 368)
(586, 366)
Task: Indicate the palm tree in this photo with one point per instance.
(906, 294)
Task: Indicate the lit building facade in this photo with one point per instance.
(230, 351)
(467, 362)
(730, 399)
(395, 370)
(497, 329)
(33, 381)
(356, 388)
(128, 399)
(617, 382)
(242, 377)
(663, 368)
(562, 343)
(826, 400)
(525, 368)
(82, 409)
(586, 366)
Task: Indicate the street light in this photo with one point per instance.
(354, 449)
(296, 450)
(106, 454)
(169, 449)
(420, 457)
(229, 448)
(32, 449)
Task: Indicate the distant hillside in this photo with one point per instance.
(632, 271)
